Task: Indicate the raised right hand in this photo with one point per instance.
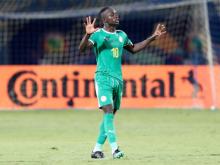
(89, 25)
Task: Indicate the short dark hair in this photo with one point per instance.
(99, 16)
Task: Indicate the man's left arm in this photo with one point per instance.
(160, 30)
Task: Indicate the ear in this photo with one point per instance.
(103, 20)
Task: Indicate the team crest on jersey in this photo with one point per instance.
(120, 39)
(103, 98)
(106, 38)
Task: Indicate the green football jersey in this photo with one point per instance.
(108, 48)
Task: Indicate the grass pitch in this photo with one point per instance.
(152, 137)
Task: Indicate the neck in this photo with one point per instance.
(109, 28)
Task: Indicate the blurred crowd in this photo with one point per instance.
(55, 41)
(54, 5)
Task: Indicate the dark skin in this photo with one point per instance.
(110, 19)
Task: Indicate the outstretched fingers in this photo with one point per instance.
(89, 20)
(160, 29)
(159, 25)
(90, 25)
(93, 22)
(163, 29)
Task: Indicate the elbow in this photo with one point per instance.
(132, 51)
(81, 50)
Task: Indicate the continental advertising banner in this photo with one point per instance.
(62, 87)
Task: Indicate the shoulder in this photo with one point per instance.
(97, 32)
(95, 35)
(121, 32)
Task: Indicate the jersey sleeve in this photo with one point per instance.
(127, 41)
(94, 38)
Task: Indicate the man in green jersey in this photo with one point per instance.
(108, 44)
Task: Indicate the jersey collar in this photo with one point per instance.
(109, 32)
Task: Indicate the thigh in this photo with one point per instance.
(103, 91)
(117, 96)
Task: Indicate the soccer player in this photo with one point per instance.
(108, 44)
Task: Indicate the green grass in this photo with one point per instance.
(148, 137)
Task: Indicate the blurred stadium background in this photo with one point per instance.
(43, 69)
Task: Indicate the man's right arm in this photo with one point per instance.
(89, 27)
(85, 43)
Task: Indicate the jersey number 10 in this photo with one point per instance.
(115, 52)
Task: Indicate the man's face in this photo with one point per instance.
(111, 17)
